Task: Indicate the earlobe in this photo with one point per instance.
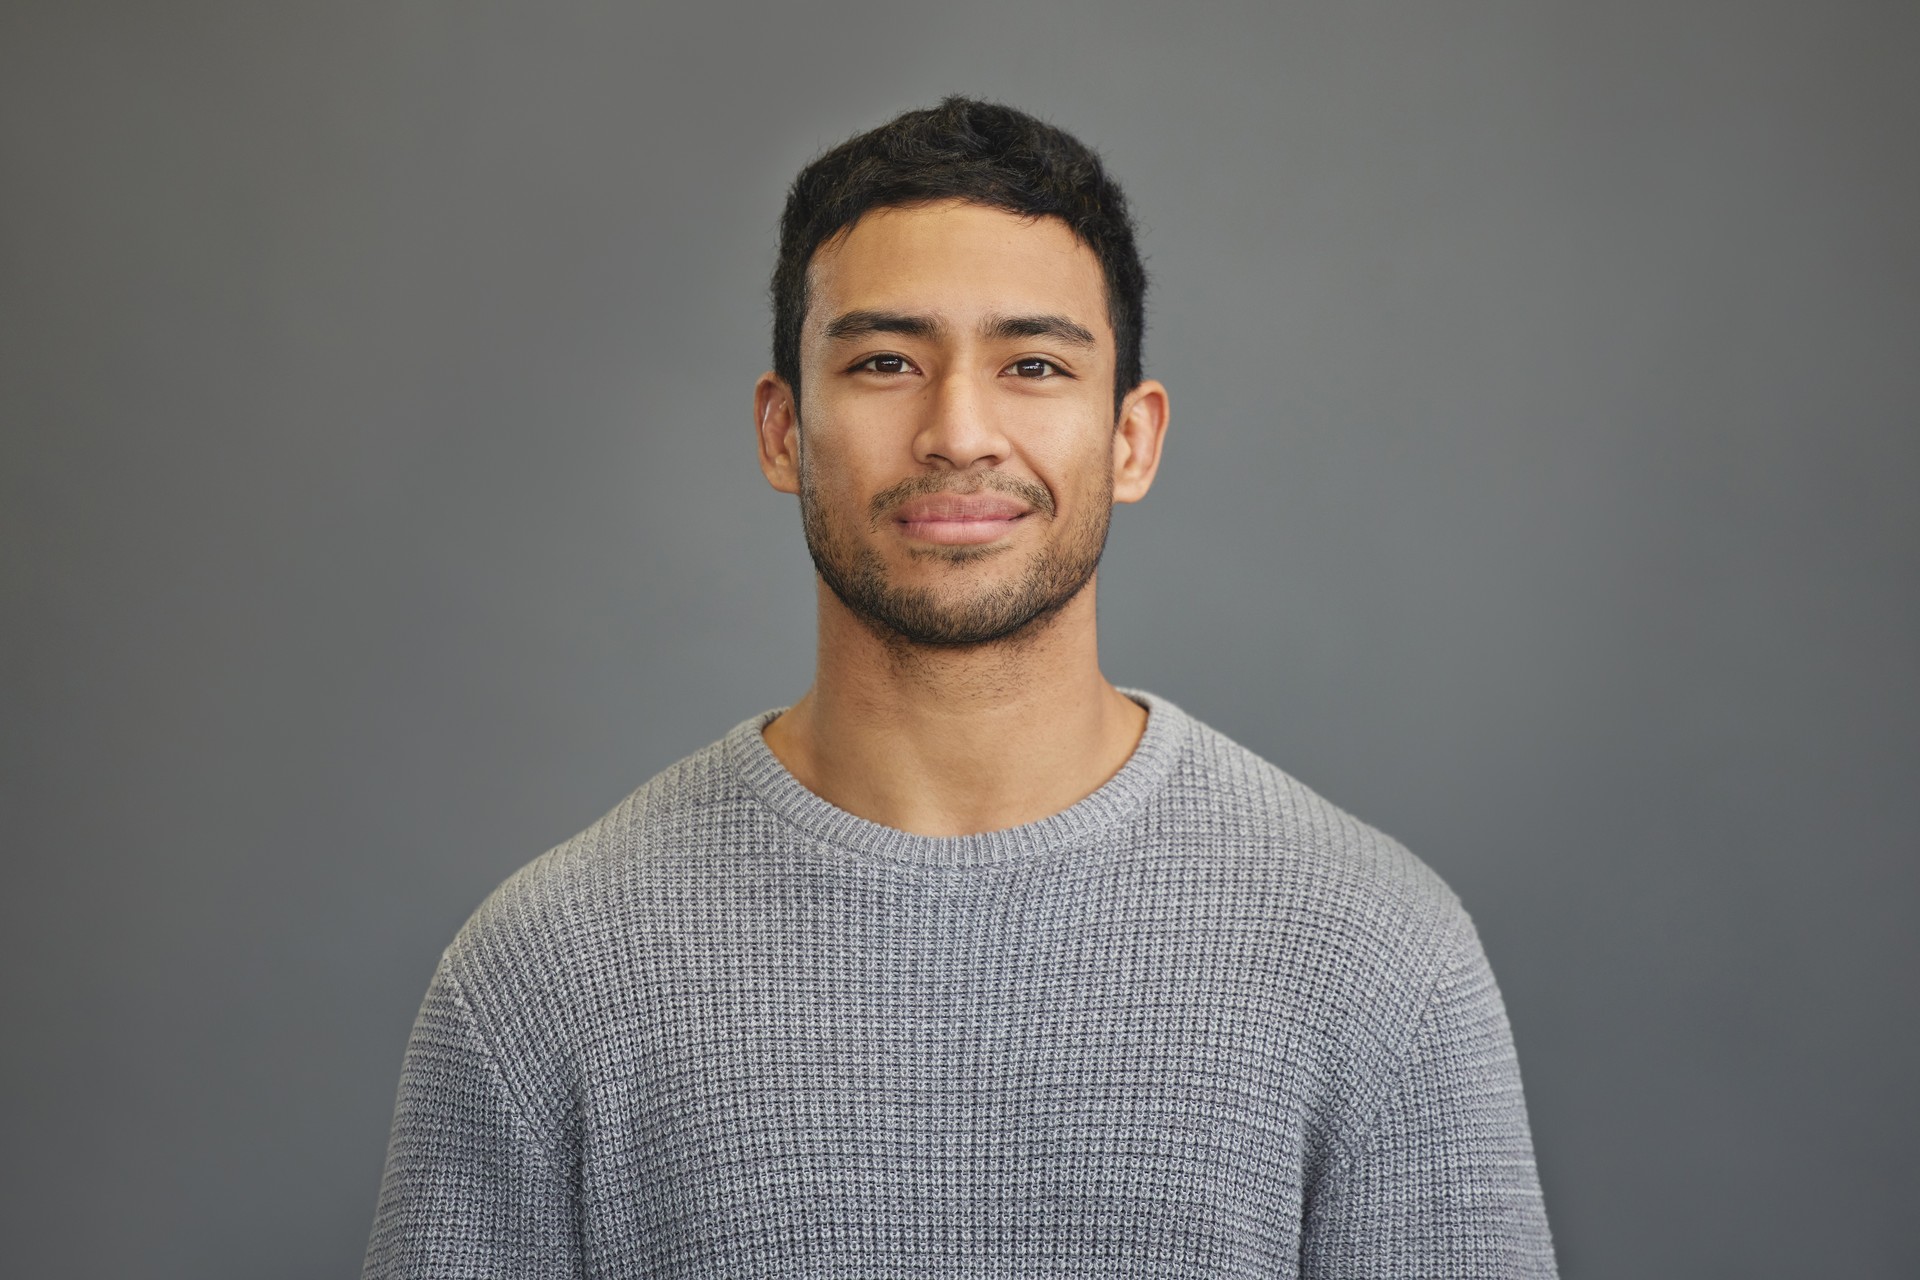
(1137, 439)
(777, 430)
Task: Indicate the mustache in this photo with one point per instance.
(1034, 495)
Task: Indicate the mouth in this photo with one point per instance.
(955, 519)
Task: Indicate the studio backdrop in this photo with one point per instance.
(378, 507)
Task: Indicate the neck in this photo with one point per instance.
(957, 740)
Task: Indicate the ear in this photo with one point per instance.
(1136, 440)
(776, 422)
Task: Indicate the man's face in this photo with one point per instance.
(956, 445)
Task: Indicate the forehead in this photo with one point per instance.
(961, 260)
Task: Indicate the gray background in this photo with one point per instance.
(380, 507)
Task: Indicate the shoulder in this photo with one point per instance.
(1282, 837)
(565, 916)
(1353, 934)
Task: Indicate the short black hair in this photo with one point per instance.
(963, 149)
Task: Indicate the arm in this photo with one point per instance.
(472, 1188)
(1442, 1182)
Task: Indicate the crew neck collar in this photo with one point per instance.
(1125, 793)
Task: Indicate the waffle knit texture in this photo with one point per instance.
(1200, 1024)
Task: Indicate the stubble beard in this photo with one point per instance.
(1005, 612)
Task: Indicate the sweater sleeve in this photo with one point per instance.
(472, 1188)
(1442, 1183)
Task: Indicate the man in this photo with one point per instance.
(967, 963)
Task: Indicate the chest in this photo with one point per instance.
(961, 1086)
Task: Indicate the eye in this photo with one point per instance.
(885, 364)
(1033, 367)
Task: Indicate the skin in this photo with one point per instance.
(915, 387)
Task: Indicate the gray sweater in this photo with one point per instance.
(1201, 1023)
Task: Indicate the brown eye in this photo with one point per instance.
(1034, 367)
(886, 364)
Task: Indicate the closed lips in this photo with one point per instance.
(960, 519)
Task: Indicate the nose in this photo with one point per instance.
(958, 428)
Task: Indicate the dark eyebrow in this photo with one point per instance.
(1059, 328)
(858, 324)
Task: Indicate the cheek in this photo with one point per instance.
(844, 444)
(1083, 475)
(828, 484)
